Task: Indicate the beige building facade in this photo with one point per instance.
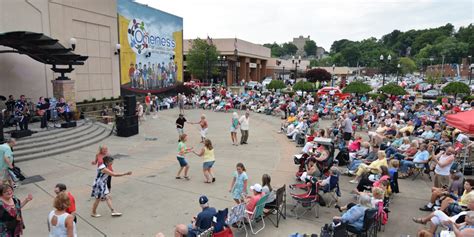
(93, 23)
(245, 61)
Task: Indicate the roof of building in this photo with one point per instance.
(226, 46)
(337, 70)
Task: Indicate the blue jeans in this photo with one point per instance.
(390, 151)
(355, 164)
(405, 164)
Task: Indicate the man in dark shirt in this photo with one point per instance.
(202, 222)
(180, 124)
(42, 108)
(22, 113)
(64, 110)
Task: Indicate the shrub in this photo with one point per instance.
(94, 100)
(455, 88)
(393, 89)
(85, 101)
(357, 87)
(276, 84)
(468, 98)
(303, 86)
(318, 74)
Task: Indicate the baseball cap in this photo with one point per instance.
(256, 187)
(203, 200)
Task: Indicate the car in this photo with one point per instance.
(253, 85)
(431, 94)
(195, 84)
(337, 92)
(266, 81)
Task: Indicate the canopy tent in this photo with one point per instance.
(463, 121)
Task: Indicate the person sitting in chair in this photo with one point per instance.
(257, 194)
(64, 110)
(354, 216)
(202, 222)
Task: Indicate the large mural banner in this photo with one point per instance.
(151, 53)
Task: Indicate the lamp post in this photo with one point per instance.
(236, 65)
(384, 63)
(398, 71)
(333, 75)
(222, 61)
(296, 62)
(471, 65)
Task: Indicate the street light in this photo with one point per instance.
(384, 63)
(471, 65)
(237, 64)
(296, 62)
(398, 71)
(222, 61)
(333, 75)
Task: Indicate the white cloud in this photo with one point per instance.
(324, 20)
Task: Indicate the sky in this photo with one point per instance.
(268, 21)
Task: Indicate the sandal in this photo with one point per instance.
(418, 220)
(178, 177)
(207, 182)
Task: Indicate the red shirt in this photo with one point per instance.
(253, 201)
(100, 161)
(72, 207)
(147, 99)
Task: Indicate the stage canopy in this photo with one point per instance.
(463, 121)
(43, 49)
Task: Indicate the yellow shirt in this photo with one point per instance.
(208, 155)
(409, 128)
(463, 201)
(376, 164)
(291, 119)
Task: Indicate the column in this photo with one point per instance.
(65, 89)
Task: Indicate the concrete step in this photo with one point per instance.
(96, 134)
(52, 133)
(56, 138)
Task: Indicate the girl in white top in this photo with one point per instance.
(61, 223)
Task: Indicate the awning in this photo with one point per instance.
(463, 121)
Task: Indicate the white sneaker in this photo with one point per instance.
(354, 181)
(116, 214)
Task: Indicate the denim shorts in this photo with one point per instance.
(182, 161)
(208, 164)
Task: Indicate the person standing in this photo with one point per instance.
(182, 151)
(71, 209)
(60, 222)
(207, 153)
(99, 160)
(244, 127)
(238, 188)
(100, 191)
(22, 113)
(42, 108)
(347, 128)
(204, 126)
(11, 221)
(6, 162)
(443, 162)
(148, 103)
(233, 128)
(180, 103)
(131, 74)
(180, 125)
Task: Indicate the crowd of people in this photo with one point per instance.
(404, 137)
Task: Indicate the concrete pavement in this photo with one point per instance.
(152, 200)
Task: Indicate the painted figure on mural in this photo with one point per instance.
(153, 76)
(140, 75)
(131, 74)
(150, 77)
(158, 72)
(145, 77)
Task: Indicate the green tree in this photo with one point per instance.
(276, 84)
(202, 59)
(393, 89)
(310, 47)
(407, 65)
(276, 50)
(318, 74)
(357, 87)
(466, 35)
(289, 48)
(433, 80)
(454, 88)
(304, 86)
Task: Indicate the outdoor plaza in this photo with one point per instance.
(153, 201)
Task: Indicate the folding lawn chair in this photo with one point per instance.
(257, 214)
(237, 217)
(280, 205)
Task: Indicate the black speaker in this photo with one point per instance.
(21, 133)
(126, 121)
(127, 126)
(69, 124)
(130, 105)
